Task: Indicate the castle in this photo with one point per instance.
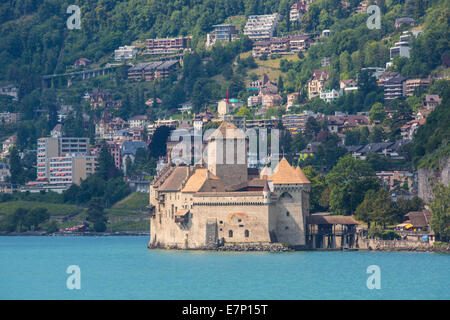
(195, 207)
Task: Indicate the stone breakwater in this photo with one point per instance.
(402, 245)
(234, 247)
(270, 247)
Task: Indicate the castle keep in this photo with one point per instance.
(199, 206)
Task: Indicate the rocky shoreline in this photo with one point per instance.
(233, 247)
(441, 249)
(242, 247)
(74, 234)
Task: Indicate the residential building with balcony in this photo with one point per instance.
(162, 46)
(294, 123)
(260, 27)
(413, 84)
(62, 161)
(394, 88)
(221, 33)
(297, 10)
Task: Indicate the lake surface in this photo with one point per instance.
(123, 268)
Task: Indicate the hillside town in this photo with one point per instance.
(352, 126)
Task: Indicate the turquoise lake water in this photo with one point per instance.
(123, 268)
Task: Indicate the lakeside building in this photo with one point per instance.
(329, 95)
(81, 62)
(299, 43)
(374, 71)
(283, 45)
(140, 121)
(10, 90)
(10, 117)
(6, 145)
(107, 126)
(63, 161)
(386, 149)
(261, 123)
(432, 101)
(225, 106)
(412, 84)
(348, 85)
(396, 179)
(260, 27)
(4, 172)
(394, 88)
(294, 123)
(291, 99)
(221, 33)
(362, 7)
(400, 21)
(309, 151)
(194, 207)
(401, 49)
(100, 99)
(317, 82)
(162, 46)
(298, 9)
(153, 70)
(125, 53)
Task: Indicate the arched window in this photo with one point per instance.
(287, 214)
(247, 233)
(230, 233)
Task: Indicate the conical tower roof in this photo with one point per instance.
(302, 175)
(286, 174)
(227, 130)
(265, 172)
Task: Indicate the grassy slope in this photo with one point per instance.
(135, 202)
(53, 209)
(270, 67)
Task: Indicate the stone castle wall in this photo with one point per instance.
(211, 219)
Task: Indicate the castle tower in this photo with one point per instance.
(291, 187)
(227, 154)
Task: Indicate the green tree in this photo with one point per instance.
(377, 135)
(19, 219)
(377, 112)
(16, 167)
(244, 112)
(106, 167)
(318, 186)
(35, 217)
(377, 207)
(96, 215)
(349, 180)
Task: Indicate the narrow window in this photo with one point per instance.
(230, 233)
(287, 213)
(247, 233)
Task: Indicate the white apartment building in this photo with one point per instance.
(401, 48)
(64, 171)
(67, 154)
(261, 26)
